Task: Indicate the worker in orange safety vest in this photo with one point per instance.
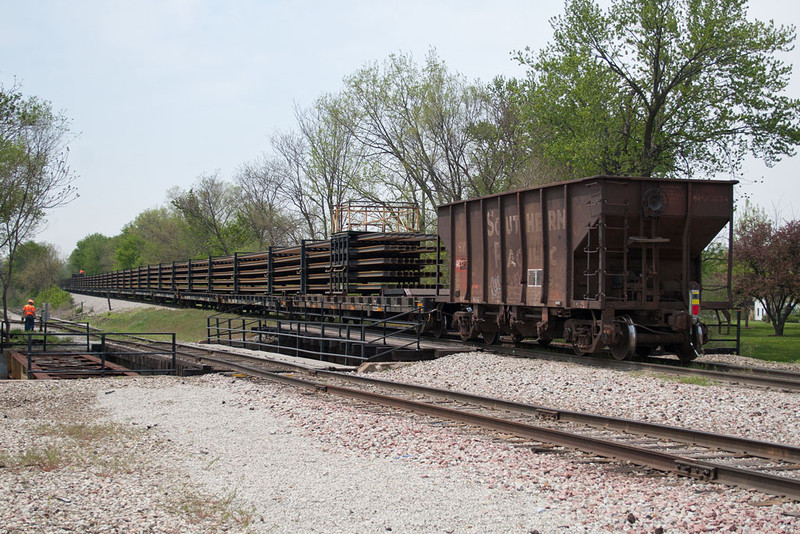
(29, 314)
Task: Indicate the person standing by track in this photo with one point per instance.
(29, 315)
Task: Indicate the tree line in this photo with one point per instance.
(667, 88)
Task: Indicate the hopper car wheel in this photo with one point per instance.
(625, 348)
(516, 337)
(466, 335)
(490, 338)
(462, 321)
(544, 341)
(439, 327)
(579, 351)
(692, 346)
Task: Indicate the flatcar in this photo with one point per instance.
(605, 262)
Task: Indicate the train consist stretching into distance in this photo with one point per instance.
(605, 262)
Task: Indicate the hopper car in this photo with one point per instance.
(602, 263)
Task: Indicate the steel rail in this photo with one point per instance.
(662, 461)
(786, 380)
(729, 368)
(703, 470)
(763, 449)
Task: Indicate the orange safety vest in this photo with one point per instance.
(29, 310)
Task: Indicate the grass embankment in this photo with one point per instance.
(187, 324)
(759, 341)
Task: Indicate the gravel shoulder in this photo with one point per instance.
(224, 454)
(92, 305)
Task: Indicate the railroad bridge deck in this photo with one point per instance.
(62, 366)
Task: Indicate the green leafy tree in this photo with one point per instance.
(37, 268)
(661, 87)
(94, 254)
(128, 248)
(414, 122)
(158, 235)
(34, 175)
(210, 209)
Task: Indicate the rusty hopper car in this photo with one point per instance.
(602, 262)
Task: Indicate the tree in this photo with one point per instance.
(414, 123)
(93, 255)
(37, 268)
(158, 235)
(661, 87)
(262, 206)
(210, 209)
(503, 156)
(34, 175)
(289, 167)
(767, 265)
(334, 168)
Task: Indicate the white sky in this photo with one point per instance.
(162, 91)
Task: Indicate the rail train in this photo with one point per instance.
(604, 263)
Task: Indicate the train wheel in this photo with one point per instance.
(439, 327)
(625, 347)
(516, 337)
(579, 349)
(490, 338)
(692, 346)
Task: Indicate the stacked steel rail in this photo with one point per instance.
(354, 271)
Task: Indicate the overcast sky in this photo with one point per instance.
(162, 91)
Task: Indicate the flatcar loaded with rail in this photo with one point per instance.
(605, 262)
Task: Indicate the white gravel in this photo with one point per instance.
(92, 305)
(274, 459)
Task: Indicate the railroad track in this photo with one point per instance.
(752, 376)
(772, 468)
(724, 373)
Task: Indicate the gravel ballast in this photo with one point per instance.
(268, 458)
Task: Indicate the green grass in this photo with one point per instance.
(47, 458)
(693, 380)
(759, 341)
(18, 337)
(187, 324)
(68, 448)
(199, 508)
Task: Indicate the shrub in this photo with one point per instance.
(57, 297)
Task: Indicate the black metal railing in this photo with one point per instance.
(363, 340)
(732, 343)
(104, 346)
